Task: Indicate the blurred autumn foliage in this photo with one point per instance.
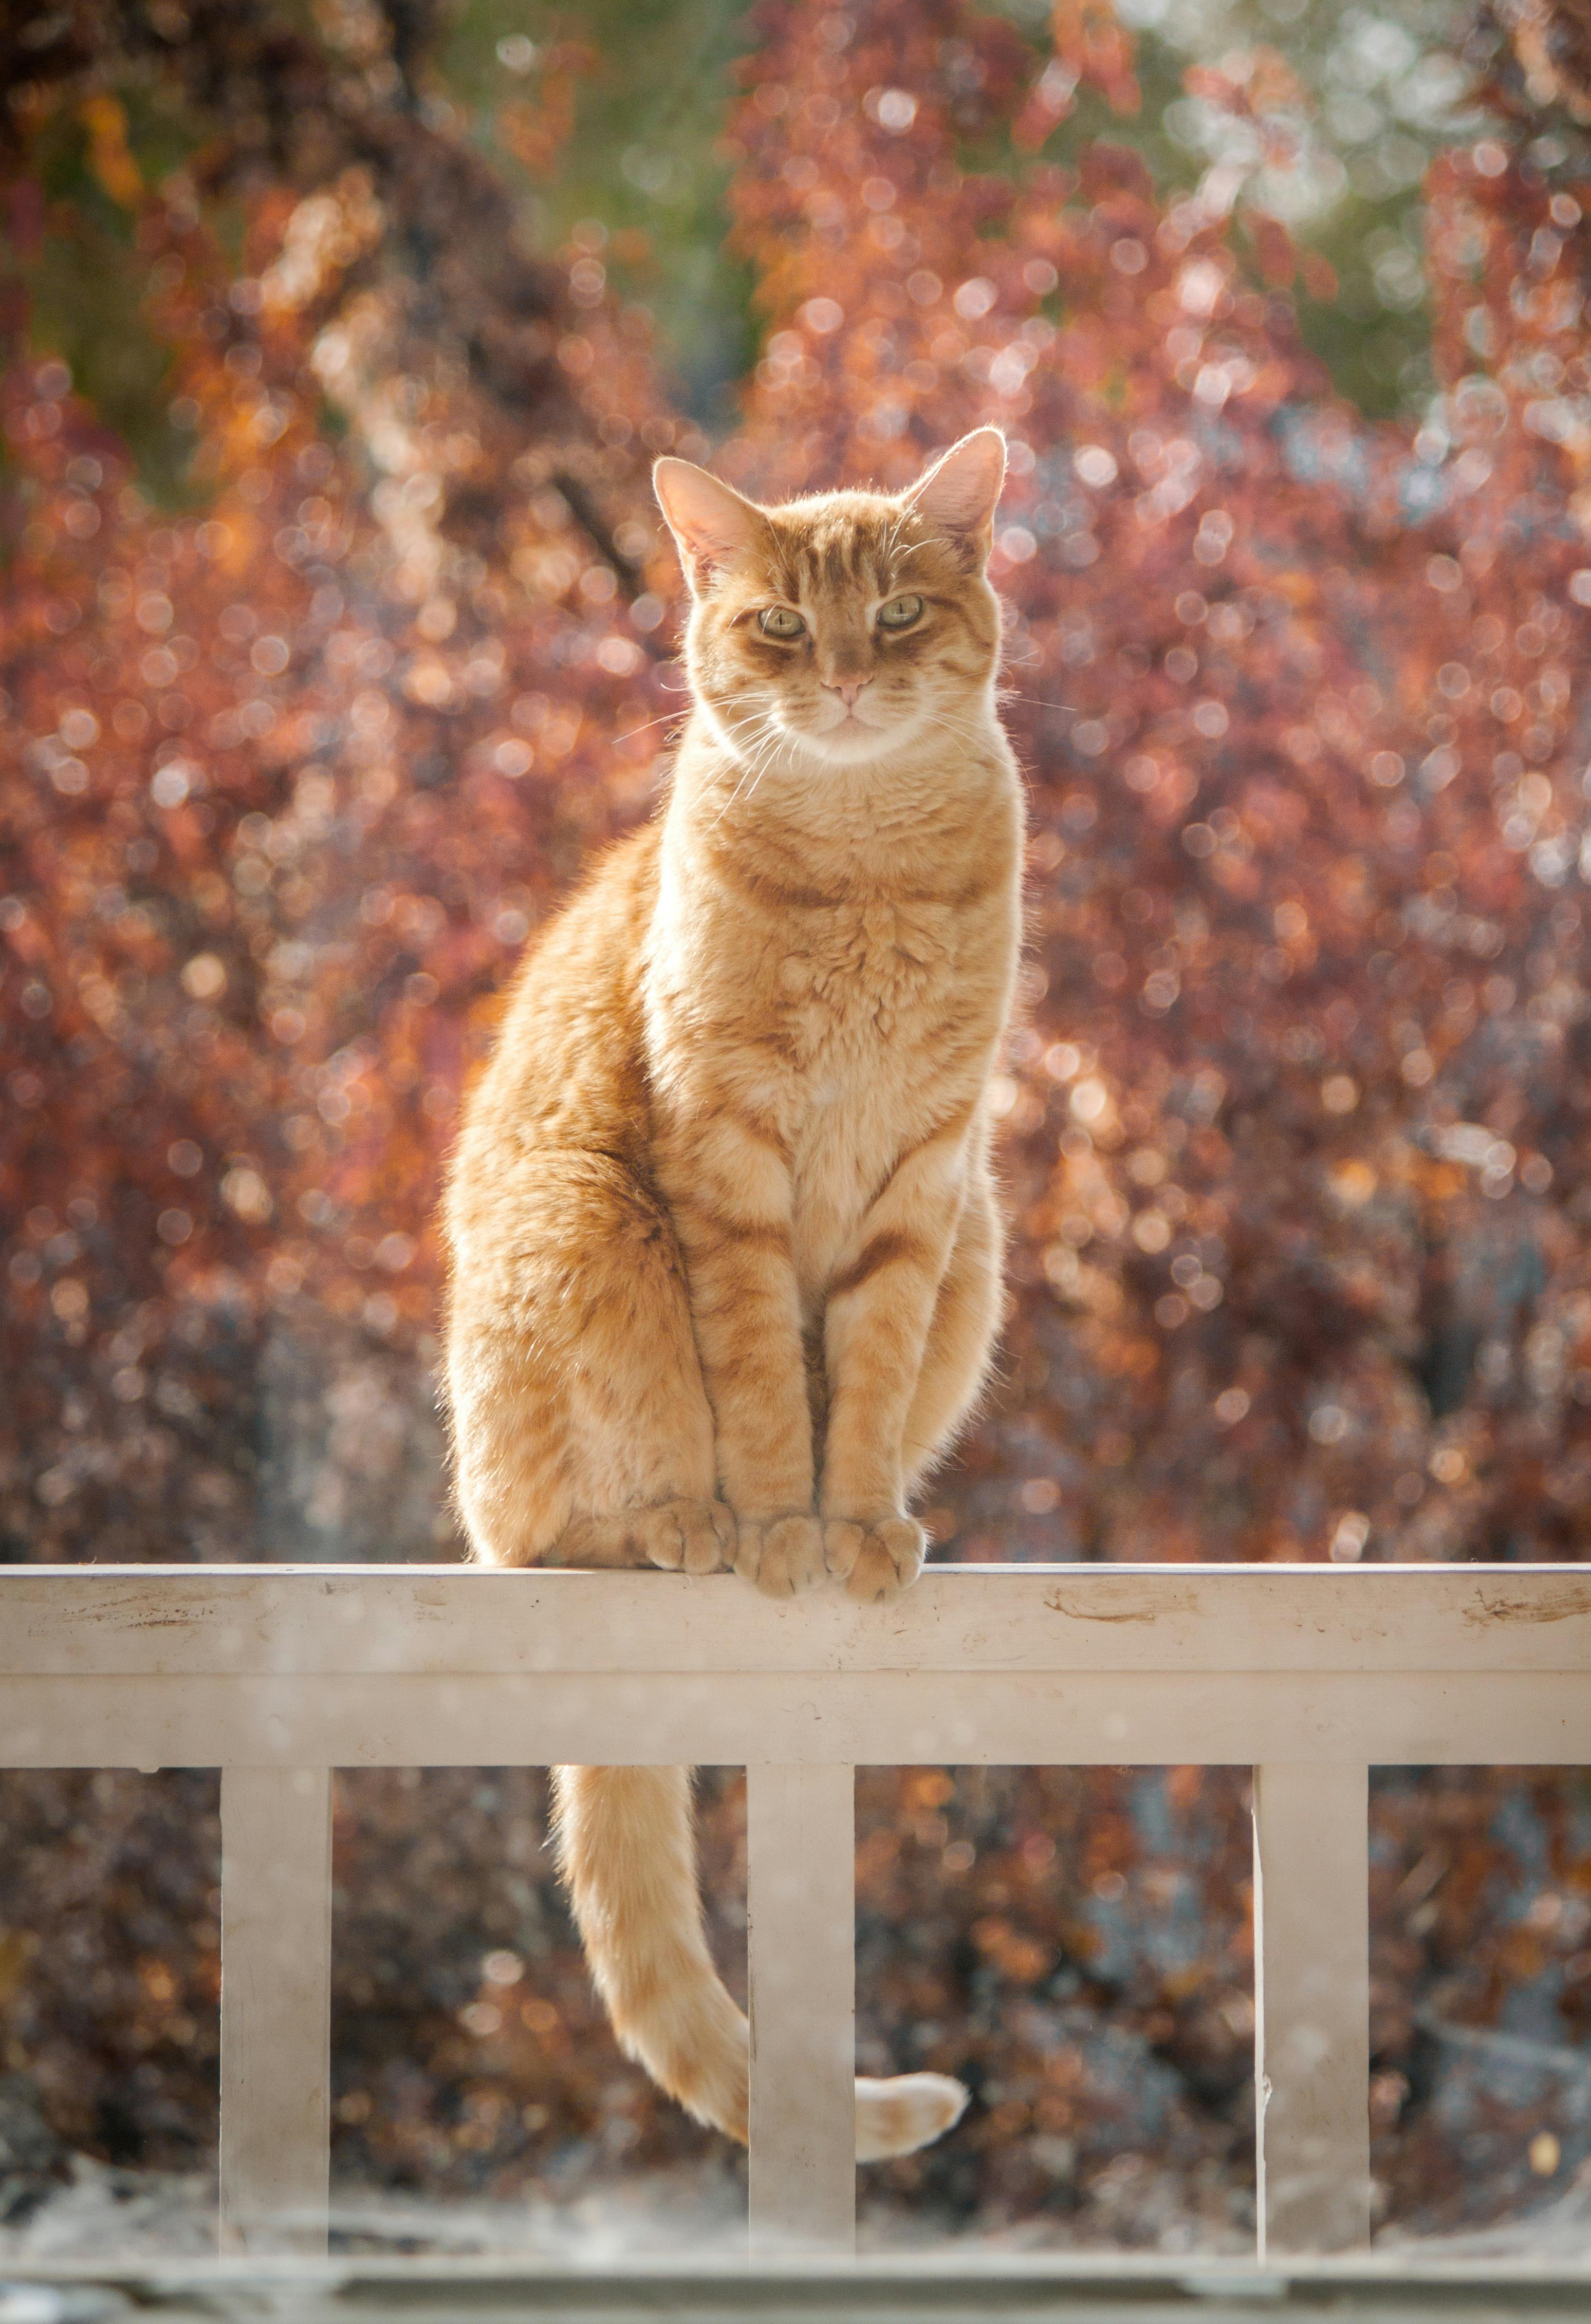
(1295, 1122)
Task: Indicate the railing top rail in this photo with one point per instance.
(327, 1620)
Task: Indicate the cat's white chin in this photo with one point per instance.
(853, 741)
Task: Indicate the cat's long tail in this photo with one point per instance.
(627, 1849)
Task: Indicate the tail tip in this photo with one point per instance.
(908, 2111)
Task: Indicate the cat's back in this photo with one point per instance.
(566, 1069)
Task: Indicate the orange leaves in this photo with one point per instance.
(105, 122)
(535, 134)
(1049, 102)
(1257, 84)
(536, 130)
(1015, 1955)
(1092, 44)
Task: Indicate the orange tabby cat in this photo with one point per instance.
(726, 1250)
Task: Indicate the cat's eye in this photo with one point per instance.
(900, 613)
(781, 622)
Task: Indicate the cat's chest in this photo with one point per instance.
(861, 985)
(874, 1008)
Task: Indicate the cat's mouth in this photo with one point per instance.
(854, 730)
(842, 734)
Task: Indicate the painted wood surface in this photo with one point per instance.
(275, 2008)
(1312, 2008)
(1308, 1674)
(307, 1620)
(879, 1718)
(800, 1832)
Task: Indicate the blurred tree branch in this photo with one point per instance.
(284, 110)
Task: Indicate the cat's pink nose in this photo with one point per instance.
(847, 688)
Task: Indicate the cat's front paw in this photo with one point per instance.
(875, 1561)
(782, 1555)
(689, 1536)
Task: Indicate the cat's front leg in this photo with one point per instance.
(880, 1305)
(728, 1186)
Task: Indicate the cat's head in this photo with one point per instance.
(847, 624)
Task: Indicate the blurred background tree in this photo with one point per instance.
(336, 632)
(641, 92)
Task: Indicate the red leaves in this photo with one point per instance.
(1294, 694)
(1092, 42)
(1225, 578)
(1275, 249)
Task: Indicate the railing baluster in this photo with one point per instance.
(800, 1888)
(1311, 2008)
(275, 2008)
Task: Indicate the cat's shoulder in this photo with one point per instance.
(626, 868)
(613, 897)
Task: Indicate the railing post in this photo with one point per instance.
(1311, 2008)
(801, 1946)
(275, 2008)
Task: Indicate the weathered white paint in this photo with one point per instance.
(800, 1943)
(1308, 1674)
(275, 2008)
(461, 1621)
(974, 1717)
(1312, 2008)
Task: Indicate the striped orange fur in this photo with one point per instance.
(725, 1251)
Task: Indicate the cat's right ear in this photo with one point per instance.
(712, 524)
(960, 492)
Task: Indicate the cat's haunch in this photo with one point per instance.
(726, 1250)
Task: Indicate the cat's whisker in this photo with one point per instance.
(663, 718)
(729, 802)
(754, 765)
(755, 722)
(960, 731)
(763, 757)
(1010, 694)
(668, 718)
(763, 730)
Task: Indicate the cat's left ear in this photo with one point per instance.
(958, 495)
(712, 522)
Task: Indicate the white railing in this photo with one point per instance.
(1308, 1674)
